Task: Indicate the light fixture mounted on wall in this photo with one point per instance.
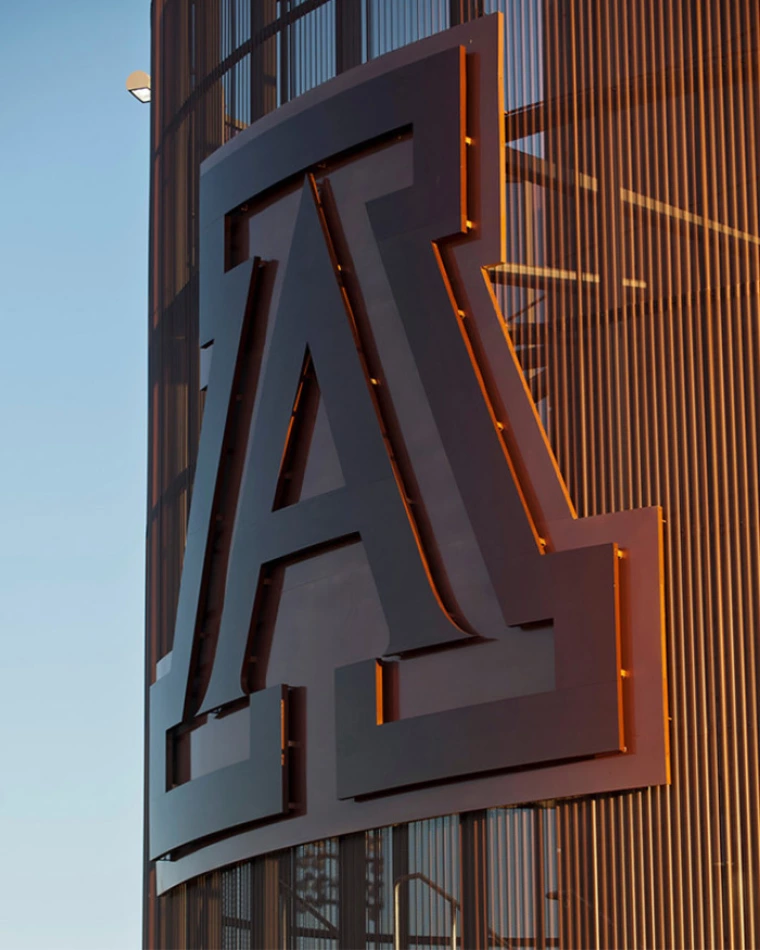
(138, 83)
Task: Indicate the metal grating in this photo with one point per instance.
(631, 292)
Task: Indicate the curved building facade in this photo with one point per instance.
(453, 518)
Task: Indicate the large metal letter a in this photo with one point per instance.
(379, 204)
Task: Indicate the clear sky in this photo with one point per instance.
(73, 302)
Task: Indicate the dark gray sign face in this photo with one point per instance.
(388, 609)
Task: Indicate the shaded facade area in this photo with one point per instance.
(629, 290)
(361, 890)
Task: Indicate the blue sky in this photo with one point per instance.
(73, 300)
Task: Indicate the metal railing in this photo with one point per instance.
(417, 876)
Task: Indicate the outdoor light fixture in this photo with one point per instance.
(138, 83)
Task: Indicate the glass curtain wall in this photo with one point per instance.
(630, 290)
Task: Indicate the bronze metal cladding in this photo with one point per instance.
(369, 438)
(629, 293)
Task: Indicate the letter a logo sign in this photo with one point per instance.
(388, 608)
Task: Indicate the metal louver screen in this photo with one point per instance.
(630, 289)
